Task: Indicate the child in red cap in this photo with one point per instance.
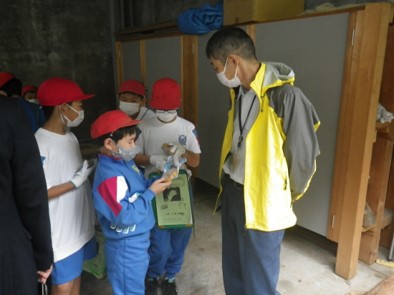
(167, 134)
(122, 197)
(132, 100)
(70, 202)
(29, 93)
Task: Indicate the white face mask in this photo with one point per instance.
(166, 116)
(78, 120)
(126, 154)
(232, 83)
(130, 108)
(33, 100)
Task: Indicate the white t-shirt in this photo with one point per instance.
(154, 133)
(71, 214)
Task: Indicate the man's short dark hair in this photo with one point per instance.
(230, 40)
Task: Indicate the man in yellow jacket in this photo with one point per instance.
(268, 159)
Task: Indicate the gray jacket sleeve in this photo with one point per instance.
(299, 124)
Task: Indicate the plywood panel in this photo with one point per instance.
(213, 105)
(315, 49)
(163, 59)
(131, 62)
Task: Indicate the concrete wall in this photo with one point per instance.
(74, 39)
(70, 39)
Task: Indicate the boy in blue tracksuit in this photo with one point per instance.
(122, 198)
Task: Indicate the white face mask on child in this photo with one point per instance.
(78, 120)
(126, 154)
(130, 108)
(166, 116)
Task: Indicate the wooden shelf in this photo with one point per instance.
(372, 227)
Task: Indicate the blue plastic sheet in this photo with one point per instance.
(199, 21)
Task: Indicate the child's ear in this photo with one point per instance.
(109, 143)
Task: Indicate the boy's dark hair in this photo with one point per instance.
(230, 40)
(13, 87)
(48, 110)
(120, 133)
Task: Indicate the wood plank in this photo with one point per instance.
(368, 55)
(342, 145)
(119, 63)
(385, 287)
(143, 65)
(189, 78)
(189, 83)
(387, 100)
(376, 196)
(387, 90)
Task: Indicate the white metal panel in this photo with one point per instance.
(315, 49)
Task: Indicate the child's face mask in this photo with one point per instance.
(166, 116)
(126, 154)
(130, 108)
(78, 120)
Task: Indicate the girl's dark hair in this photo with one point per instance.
(120, 133)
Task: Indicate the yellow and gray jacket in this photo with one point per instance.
(281, 149)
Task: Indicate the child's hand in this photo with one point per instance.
(158, 161)
(160, 185)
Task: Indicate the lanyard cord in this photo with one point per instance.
(242, 127)
(144, 114)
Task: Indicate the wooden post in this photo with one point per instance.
(363, 88)
(189, 78)
(119, 63)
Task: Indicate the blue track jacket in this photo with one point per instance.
(122, 198)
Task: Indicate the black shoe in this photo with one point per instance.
(169, 288)
(151, 286)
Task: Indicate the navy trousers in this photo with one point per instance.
(167, 251)
(250, 258)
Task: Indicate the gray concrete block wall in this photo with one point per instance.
(70, 39)
(74, 39)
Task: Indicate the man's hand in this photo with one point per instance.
(43, 275)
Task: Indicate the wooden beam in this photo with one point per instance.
(143, 62)
(189, 83)
(385, 287)
(343, 134)
(369, 45)
(119, 63)
(189, 78)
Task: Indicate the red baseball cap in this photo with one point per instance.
(28, 88)
(132, 86)
(166, 94)
(109, 122)
(55, 91)
(5, 77)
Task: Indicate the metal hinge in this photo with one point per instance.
(333, 221)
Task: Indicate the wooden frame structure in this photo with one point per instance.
(368, 35)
